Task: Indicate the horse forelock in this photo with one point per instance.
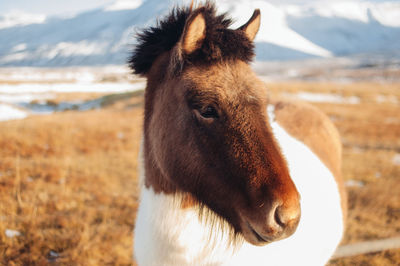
(220, 44)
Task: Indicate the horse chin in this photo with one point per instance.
(253, 237)
(260, 234)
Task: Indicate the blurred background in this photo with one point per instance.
(71, 111)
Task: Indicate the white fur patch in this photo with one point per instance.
(165, 234)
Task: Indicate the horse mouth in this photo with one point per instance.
(260, 240)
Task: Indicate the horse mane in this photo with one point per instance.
(220, 43)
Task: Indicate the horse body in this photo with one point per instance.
(223, 180)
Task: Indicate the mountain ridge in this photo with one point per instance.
(288, 32)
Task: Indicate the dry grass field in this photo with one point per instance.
(68, 183)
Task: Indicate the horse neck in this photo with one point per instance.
(174, 235)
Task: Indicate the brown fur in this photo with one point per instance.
(188, 201)
(312, 127)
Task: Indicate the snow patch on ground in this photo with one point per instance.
(28, 97)
(396, 159)
(327, 97)
(72, 87)
(17, 101)
(354, 183)
(60, 75)
(8, 112)
(11, 233)
(386, 99)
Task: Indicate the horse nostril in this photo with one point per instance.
(287, 217)
(281, 222)
(278, 217)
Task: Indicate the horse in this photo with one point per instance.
(228, 175)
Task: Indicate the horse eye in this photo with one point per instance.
(209, 112)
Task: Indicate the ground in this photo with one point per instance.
(68, 182)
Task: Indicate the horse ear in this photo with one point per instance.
(194, 32)
(251, 27)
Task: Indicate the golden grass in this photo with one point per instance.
(68, 181)
(68, 185)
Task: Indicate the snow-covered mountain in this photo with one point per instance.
(288, 31)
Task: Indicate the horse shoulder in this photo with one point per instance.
(312, 127)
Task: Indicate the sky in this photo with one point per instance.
(50, 7)
(69, 7)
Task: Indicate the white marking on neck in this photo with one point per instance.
(166, 234)
(271, 113)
